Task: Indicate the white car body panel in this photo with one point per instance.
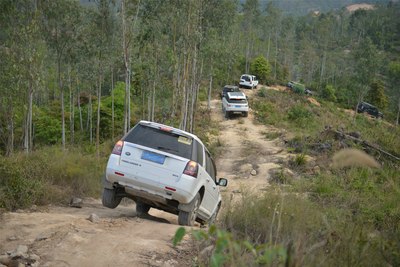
(160, 177)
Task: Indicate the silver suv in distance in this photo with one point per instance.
(235, 102)
(162, 167)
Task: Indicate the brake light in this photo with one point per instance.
(117, 150)
(191, 169)
(166, 129)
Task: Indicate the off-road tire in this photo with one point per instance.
(142, 208)
(188, 218)
(245, 114)
(110, 199)
(227, 114)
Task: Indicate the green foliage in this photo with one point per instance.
(262, 92)
(17, 190)
(179, 235)
(47, 127)
(329, 93)
(376, 95)
(354, 211)
(298, 88)
(300, 160)
(261, 68)
(49, 175)
(300, 115)
(235, 252)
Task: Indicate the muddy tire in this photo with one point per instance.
(110, 199)
(227, 114)
(142, 208)
(188, 218)
(245, 114)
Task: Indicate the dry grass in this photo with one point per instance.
(353, 158)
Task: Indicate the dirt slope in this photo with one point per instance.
(63, 236)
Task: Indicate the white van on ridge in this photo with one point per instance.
(248, 81)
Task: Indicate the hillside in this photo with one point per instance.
(303, 7)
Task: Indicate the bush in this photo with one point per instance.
(299, 115)
(329, 93)
(261, 68)
(49, 175)
(262, 92)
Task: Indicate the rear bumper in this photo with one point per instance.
(181, 189)
(239, 110)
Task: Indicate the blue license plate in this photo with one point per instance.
(150, 156)
(238, 106)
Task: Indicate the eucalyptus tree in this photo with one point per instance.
(220, 48)
(272, 25)
(394, 81)
(367, 61)
(61, 20)
(102, 32)
(24, 53)
(129, 16)
(250, 23)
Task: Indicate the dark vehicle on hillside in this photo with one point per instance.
(228, 88)
(365, 107)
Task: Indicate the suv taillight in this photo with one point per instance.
(191, 169)
(117, 150)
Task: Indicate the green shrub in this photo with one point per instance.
(261, 68)
(262, 92)
(328, 92)
(299, 88)
(18, 191)
(229, 251)
(49, 175)
(300, 115)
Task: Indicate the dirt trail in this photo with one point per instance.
(63, 236)
(248, 155)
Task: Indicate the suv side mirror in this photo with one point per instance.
(222, 182)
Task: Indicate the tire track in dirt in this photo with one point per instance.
(245, 149)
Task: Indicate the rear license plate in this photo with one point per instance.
(238, 106)
(157, 158)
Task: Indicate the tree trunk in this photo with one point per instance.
(79, 105)
(62, 117)
(112, 104)
(398, 112)
(125, 45)
(28, 125)
(209, 90)
(10, 139)
(153, 100)
(127, 70)
(98, 117)
(90, 116)
(71, 108)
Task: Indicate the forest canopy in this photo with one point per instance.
(73, 73)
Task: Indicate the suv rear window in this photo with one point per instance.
(161, 140)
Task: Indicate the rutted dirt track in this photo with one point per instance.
(63, 236)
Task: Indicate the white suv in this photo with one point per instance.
(235, 102)
(248, 81)
(164, 168)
